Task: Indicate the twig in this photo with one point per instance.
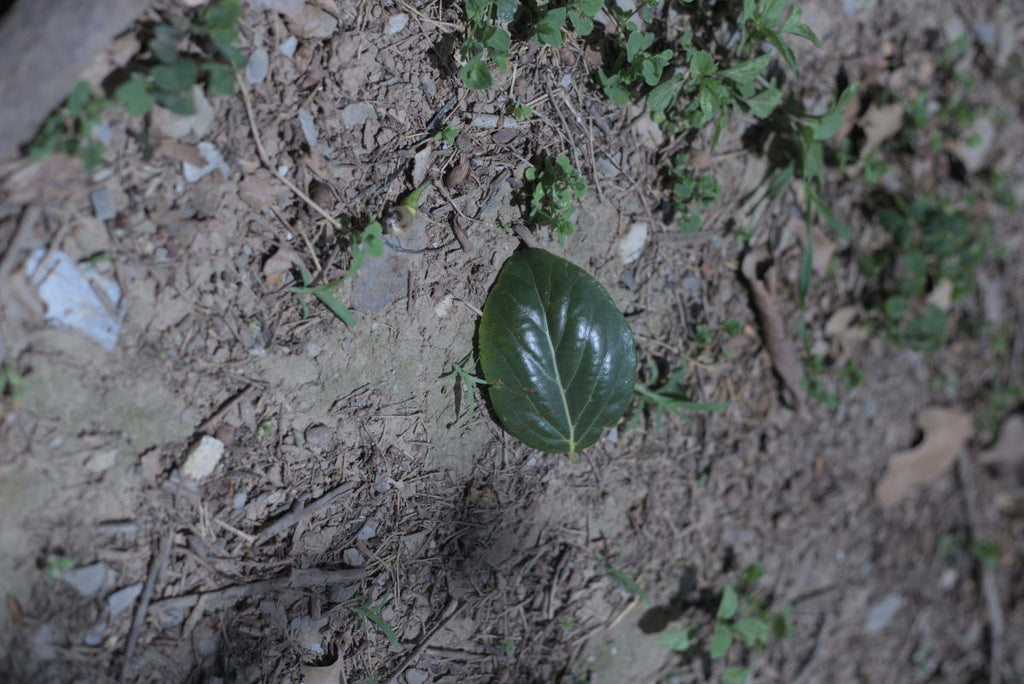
(989, 587)
(296, 579)
(156, 569)
(224, 408)
(524, 235)
(265, 158)
(425, 641)
(300, 513)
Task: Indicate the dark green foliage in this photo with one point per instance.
(558, 355)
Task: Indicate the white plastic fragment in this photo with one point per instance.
(203, 458)
(632, 244)
(76, 296)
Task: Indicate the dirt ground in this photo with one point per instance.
(353, 477)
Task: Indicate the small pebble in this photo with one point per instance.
(288, 47)
(94, 637)
(368, 531)
(356, 114)
(258, 67)
(353, 558)
(122, 599)
(318, 434)
(203, 458)
(340, 593)
(308, 127)
(413, 676)
(396, 23)
(882, 612)
(239, 500)
(90, 580)
(103, 204)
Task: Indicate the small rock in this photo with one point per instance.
(203, 458)
(308, 127)
(288, 47)
(239, 500)
(444, 306)
(632, 245)
(985, 31)
(94, 637)
(340, 593)
(413, 676)
(171, 125)
(101, 461)
(313, 23)
(356, 114)
(368, 531)
(977, 146)
(353, 558)
(318, 434)
(90, 580)
(122, 599)
(204, 640)
(882, 612)
(103, 204)
(396, 23)
(258, 67)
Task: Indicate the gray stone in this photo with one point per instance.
(90, 580)
(103, 204)
(368, 531)
(122, 599)
(340, 593)
(353, 558)
(356, 114)
(882, 612)
(318, 435)
(414, 676)
(258, 67)
(94, 637)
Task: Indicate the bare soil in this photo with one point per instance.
(353, 476)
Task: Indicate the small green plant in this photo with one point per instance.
(624, 579)
(54, 565)
(743, 617)
(762, 21)
(13, 384)
(325, 294)
(485, 41)
(68, 130)
(521, 111)
(371, 613)
(464, 371)
(553, 185)
(448, 134)
(168, 76)
(930, 243)
(691, 194)
(667, 394)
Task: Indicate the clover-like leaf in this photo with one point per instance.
(558, 354)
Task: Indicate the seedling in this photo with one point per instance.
(168, 76)
(68, 130)
(691, 194)
(743, 617)
(624, 579)
(372, 613)
(668, 395)
(464, 371)
(485, 41)
(54, 565)
(325, 294)
(553, 185)
(448, 134)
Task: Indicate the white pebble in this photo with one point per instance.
(632, 245)
(396, 23)
(203, 458)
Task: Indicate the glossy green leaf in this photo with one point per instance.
(558, 354)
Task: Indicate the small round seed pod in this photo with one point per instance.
(398, 220)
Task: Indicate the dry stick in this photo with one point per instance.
(297, 579)
(989, 587)
(300, 513)
(265, 158)
(156, 569)
(223, 409)
(425, 641)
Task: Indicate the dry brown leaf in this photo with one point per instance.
(330, 674)
(780, 346)
(880, 124)
(945, 433)
(260, 190)
(282, 261)
(1008, 451)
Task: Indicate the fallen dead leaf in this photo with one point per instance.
(945, 433)
(330, 674)
(880, 124)
(1008, 451)
(840, 328)
(260, 190)
(279, 264)
(781, 347)
(941, 295)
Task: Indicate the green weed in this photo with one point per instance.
(485, 41)
(68, 130)
(464, 371)
(743, 617)
(54, 565)
(372, 614)
(553, 186)
(666, 394)
(167, 77)
(691, 194)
